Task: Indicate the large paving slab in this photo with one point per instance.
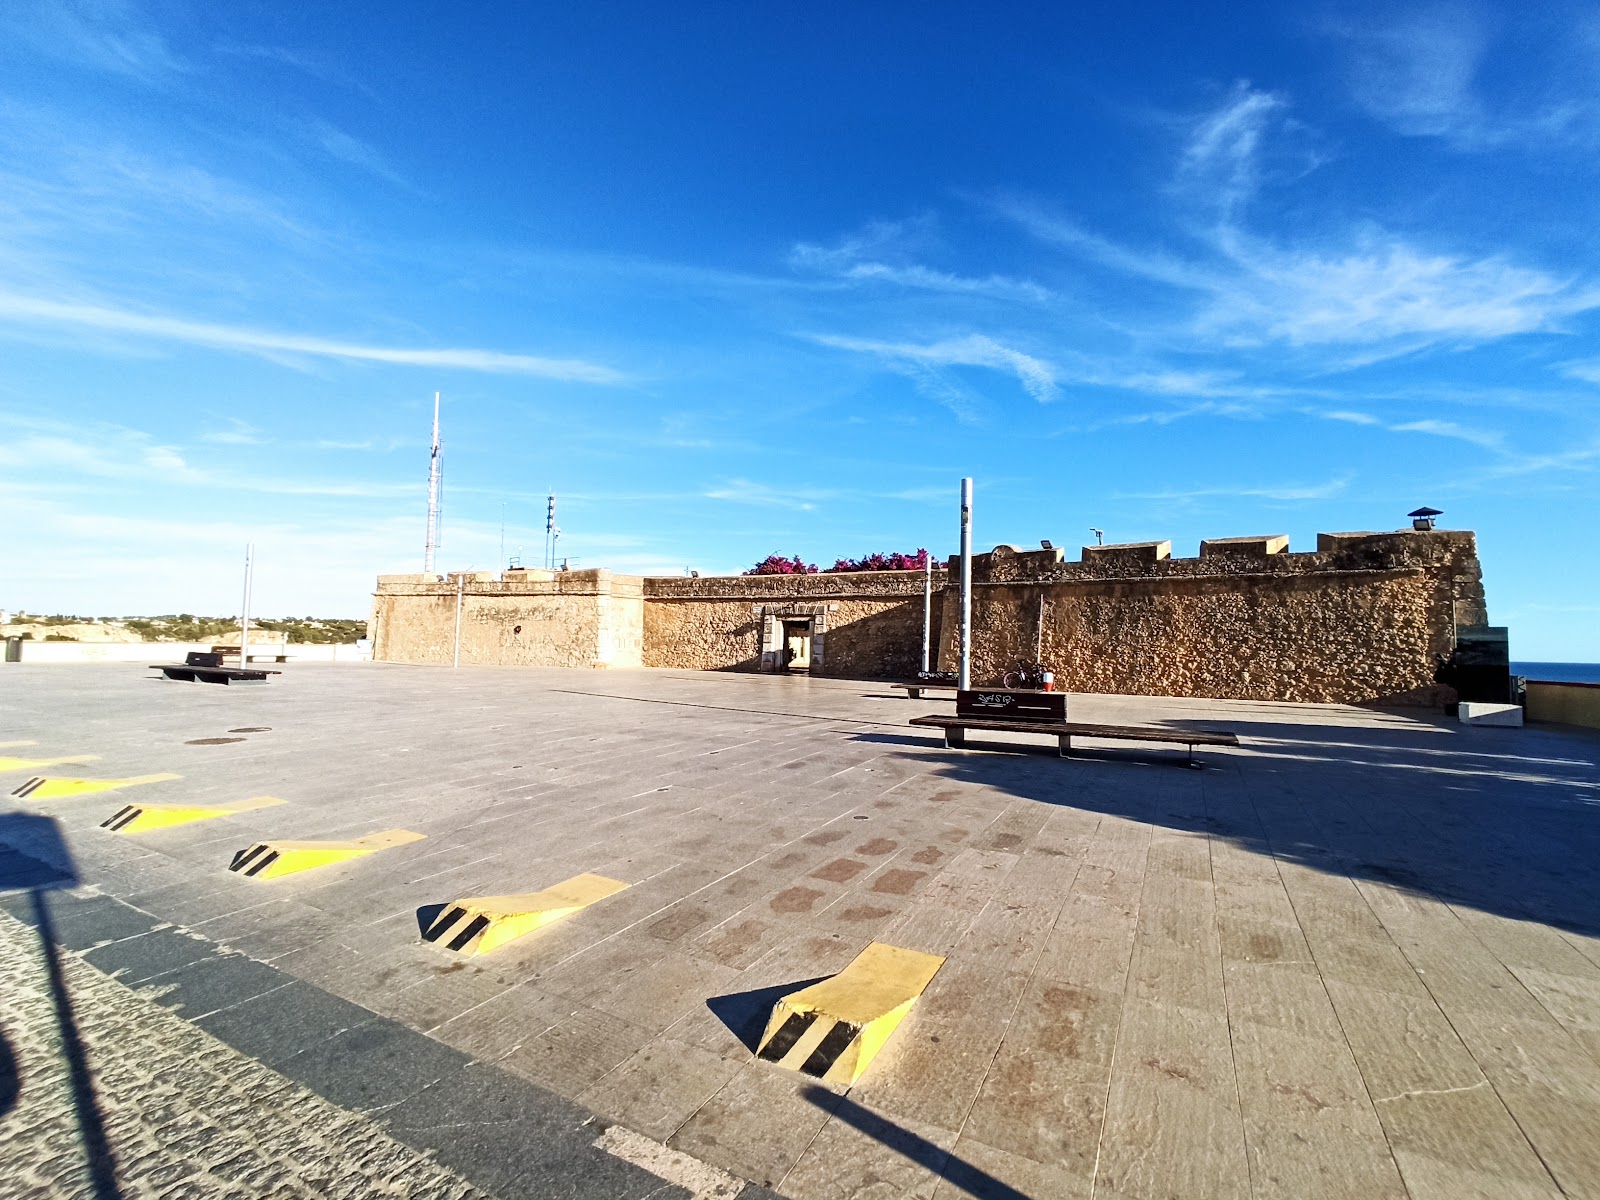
(1357, 956)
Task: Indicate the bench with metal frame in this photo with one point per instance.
(200, 667)
(916, 691)
(955, 729)
(255, 656)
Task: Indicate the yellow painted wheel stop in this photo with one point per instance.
(142, 818)
(269, 860)
(42, 788)
(479, 924)
(36, 764)
(832, 1030)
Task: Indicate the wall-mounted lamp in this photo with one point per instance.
(1099, 536)
(1422, 519)
(1046, 545)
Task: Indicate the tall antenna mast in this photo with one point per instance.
(433, 493)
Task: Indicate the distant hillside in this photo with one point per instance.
(177, 627)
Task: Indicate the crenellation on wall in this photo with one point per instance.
(1127, 553)
(1245, 547)
(1367, 616)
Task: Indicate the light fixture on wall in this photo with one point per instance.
(1099, 535)
(1422, 518)
(1045, 544)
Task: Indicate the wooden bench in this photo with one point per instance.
(955, 729)
(916, 690)
(200, 667)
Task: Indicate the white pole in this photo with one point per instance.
(927, 608)
(964, 680)
(460, 585)
(244, 617)
(433, 493)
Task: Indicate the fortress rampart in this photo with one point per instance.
(1367, 617)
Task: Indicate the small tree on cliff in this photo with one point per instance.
(776, 564)
(884, 562)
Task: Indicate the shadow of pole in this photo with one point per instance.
(44, 865)
(96, 1146)
(957, 1172)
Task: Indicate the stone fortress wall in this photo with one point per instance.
(1367, 617)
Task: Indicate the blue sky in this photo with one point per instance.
(738, 279)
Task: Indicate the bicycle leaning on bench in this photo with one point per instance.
(1027, 676)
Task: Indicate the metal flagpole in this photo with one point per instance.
(244, 618)
(460, 586)
(433, 493)
(964, 680)
(927, 606)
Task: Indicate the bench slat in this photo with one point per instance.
(1134, 733)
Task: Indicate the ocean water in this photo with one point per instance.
(1558, 672)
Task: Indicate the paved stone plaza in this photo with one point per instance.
(1357, 957)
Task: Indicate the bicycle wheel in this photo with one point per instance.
(1012, 679)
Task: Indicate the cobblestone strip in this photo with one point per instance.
(184, 1114)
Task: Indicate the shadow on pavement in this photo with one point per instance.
(44, 866)
(957, 1172)
(1506, 821)
(745, 1013)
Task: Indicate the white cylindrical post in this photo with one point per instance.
(927, 606)
(964, 679)
(244, 617)
(460, 586)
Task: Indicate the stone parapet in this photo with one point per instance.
(1251, 547)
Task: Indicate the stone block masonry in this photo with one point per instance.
(1367, 617)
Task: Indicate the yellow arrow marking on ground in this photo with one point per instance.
(479, 924)
(41, 788)
(269, 860)
(833, 1029)
(142, 818)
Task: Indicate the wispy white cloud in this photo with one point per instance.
(111, 36)
(1366, 287)
(887, 252)
(1507, 461)
(1382, 289)
(1429, 71)
(49, 451)
(267, 343)
(1037, 377)
(351, 150)
(1488, 439)
(1587, 370)
(311, 64)
(238, 433)
(1351, 418)
(1223, 156)
(743, 491)
(1312, 491)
